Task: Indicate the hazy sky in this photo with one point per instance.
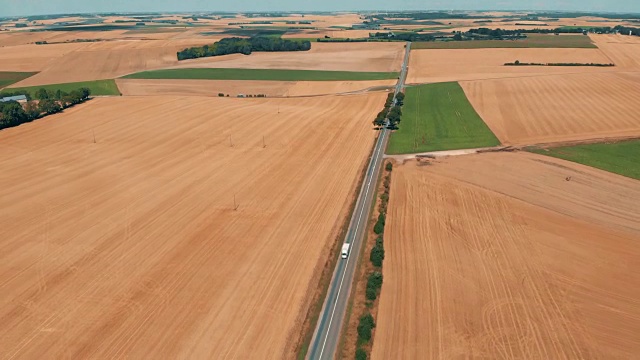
(29, 7)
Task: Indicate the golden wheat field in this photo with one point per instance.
(499, 256)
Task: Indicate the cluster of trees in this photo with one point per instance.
(518, 63)
(391, 112)
(48, 102)
(626, 30)
(236, 45)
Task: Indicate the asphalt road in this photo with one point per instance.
(326, 337)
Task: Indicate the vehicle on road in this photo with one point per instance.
(345, 250)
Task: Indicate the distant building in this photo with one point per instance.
(18, 98)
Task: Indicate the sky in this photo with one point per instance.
(39, 7)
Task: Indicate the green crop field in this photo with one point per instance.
(439, 117)
(8, 77)
(532, 41)
(262, 74)
(620, 158)
(97, 87)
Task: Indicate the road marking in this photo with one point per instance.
(344, 273)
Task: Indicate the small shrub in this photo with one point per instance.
(365, 326)
(378, 228)
(389, 166)
(361, 354)
(371, 293)
(375, 280)
(377, 255)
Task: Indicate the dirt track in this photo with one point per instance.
(499, 256)
(130, 247)
(557, 108)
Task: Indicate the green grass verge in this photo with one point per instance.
(97, 87)
(439, 117)
(9, 77)
(620, 158)
(532, 41)
(261, 74)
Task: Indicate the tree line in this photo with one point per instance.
(391, 112)
(518, 63)
(366, 322)
(48, 102)
(244, 46)
(499, 34)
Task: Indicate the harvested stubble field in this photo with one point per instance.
(106, 60)
(343, 34)
(31, 58)
(144, 87)
(429, 66)
(624, 51)
(499, 256)
(532, 41)
(379, 57)
(544, 109)
(130, 247)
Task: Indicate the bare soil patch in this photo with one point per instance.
(499, 256)
(130, 246)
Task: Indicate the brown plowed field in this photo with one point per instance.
(235, 87)
(322, 56)
(429, 66)
(531, 110)
(130, 248)
(107, 60)
(497, 256)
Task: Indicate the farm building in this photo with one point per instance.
(18, 98)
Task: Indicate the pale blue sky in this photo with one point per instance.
(29, 7)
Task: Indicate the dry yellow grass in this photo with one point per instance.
(130, 247)
(498, 256)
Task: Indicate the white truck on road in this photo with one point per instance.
(345, 250)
